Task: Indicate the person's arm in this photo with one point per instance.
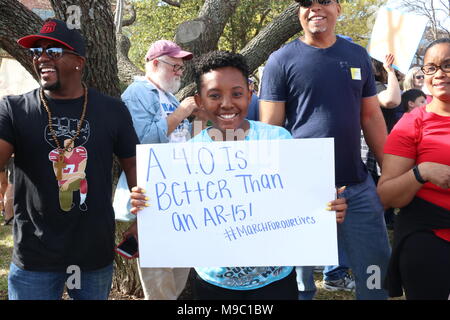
(272, 112)
(398, 184)
(129, 167)
(373, 126)
(6, 151)
(391, 97)
(184, 110)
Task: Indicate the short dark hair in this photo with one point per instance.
(435, 42)
(219, 59)
(410, 95)
(378, 71)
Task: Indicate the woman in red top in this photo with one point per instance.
(416, 178)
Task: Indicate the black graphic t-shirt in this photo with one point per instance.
(69, 221)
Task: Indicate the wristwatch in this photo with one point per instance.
(418, 176)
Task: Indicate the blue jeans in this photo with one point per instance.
(363, 237)
(331, 273)
(37, 285)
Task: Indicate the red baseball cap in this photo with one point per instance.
(167, 48)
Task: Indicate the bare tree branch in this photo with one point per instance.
(128, 22)
(173, 3)
(17, 21)
(268, 39)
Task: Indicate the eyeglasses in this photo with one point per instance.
(176, 67)
(52, 53)
(308, 3)
(432, 68)
(419, 77)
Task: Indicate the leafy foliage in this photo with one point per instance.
(157, 20)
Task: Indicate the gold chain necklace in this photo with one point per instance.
(60, 164)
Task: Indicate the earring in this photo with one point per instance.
(77, 68)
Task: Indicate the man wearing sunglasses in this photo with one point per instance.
(158, 117)
(63, 135)
(319, 86)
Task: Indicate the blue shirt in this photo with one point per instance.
(142, 100)
(246, 278)
(253, 108)
(323, 90)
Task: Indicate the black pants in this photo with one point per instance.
(425, 267)
(284, 289)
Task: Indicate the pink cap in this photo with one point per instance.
(165, 47)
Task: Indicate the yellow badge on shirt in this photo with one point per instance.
(356, 73)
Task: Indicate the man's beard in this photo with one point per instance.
(52, 87)
(171, 85)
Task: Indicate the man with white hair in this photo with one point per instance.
(158, 117)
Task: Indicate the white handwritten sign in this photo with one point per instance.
(246, 203)
(398, 33)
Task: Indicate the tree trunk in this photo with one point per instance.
(17, 21)
(97, 26)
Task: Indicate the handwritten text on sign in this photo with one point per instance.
(244, 203)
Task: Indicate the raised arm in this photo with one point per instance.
(392, 96)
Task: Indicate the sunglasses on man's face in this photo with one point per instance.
(308, 3)
(52, 53)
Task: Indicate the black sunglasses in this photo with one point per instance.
(52, 53)
(308, 3)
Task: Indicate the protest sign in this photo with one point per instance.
(240, 203)
(398, 33)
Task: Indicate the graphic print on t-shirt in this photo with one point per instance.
(181, 132)
(72, 171)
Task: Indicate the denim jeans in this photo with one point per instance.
(37, 285)
(331, 273)
(363, 237)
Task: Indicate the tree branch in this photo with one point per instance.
(132, 18)
(173, 3)
(17, 21)
(269, 39)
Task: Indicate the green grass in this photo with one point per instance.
(6, 246)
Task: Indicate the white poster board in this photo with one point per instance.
(246, 203)
(398, 33)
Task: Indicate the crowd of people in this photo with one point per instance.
(391, 163)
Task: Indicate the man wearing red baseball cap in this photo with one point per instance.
(63, 136)
(158, 117)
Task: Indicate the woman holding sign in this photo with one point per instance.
(224, 95)
(416, 178)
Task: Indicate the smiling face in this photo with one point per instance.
(419, 79)
(439, 83)
(225, 96)
(319, 19)
(56, 74)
